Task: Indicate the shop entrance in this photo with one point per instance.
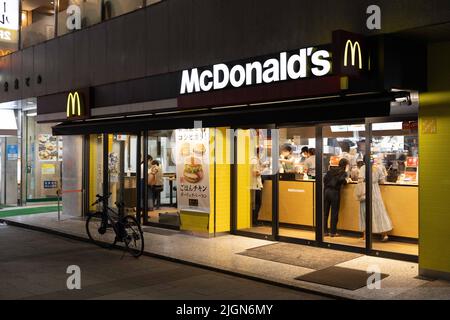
(322, 168)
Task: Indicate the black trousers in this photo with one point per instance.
(332, 200)
(257, 207)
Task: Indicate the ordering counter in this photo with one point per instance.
(297, 206)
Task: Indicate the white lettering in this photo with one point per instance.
(221, 69)
(206, 86)
(297, 62)
(189, 84)
(322, 65)
(235, 79)
(249, 68)
(272, 71)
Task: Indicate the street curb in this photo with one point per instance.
(180, 261)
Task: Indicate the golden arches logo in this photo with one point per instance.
(354, 46)
(74, 107)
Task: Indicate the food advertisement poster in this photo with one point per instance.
(50, 148)
(192, 163)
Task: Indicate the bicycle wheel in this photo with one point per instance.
(102, 236)
(134, 239)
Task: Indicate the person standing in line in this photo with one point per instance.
(146, 185)
(257, 184)
(157, 183)
(381, 223)
(333, 181)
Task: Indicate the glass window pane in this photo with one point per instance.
(395, 170)
(9, 26)
(77, 14)
(297, 182)
(343, 153)
(38, 21)
(114, 8)
(254, 180)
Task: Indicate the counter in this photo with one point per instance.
(297, 206)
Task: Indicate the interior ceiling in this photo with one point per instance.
(30, 5)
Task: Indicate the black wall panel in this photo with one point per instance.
(179, 34)
(81, 55)
(28, 72)
(157, 31)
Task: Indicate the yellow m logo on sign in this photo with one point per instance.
(73, 105)
(353, 48)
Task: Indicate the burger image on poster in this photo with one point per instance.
(193, 170)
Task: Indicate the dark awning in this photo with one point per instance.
(356, 106)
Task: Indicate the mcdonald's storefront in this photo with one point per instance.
(247, 147)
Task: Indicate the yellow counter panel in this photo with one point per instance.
(297, 206)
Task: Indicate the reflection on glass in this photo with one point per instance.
(114, 8)
(90, 13)
(95, 169)
(38, 21)
(9, 26)
(343, 152)
(297, 182)
(254, 180)
(44, 159)
(395, 157)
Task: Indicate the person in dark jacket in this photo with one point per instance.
(335, 178)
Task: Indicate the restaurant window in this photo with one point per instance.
(44, 156)
(77, 14)
(296, 189)
(9, 26)
(343, 158)
(395, 179)
(38, 21)
(114, 8)
(95, 169)
(152, 2)
(254, 180)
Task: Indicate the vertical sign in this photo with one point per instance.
(192, 163)
(12, 151)
(9, 26)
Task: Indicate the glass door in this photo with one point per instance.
(256, 180)
(296, 185)
(122, 165)
(395, 185)
(343, 171)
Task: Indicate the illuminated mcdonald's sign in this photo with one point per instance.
(75, 106)
(354, 47)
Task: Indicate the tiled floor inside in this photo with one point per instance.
(222, 253)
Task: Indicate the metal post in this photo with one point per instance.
(275, 181)
(368, 164)
(319, 184)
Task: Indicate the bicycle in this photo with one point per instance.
(108, 227)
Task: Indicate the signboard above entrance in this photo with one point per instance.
(347, 56)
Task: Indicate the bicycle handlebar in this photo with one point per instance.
(101, 198)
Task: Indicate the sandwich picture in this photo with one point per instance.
(193, 170)
(200, 149)
(185, 149)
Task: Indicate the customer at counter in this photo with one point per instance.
(286, 159)
(335, 178)
(381, 223)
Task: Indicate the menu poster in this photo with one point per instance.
(48, 147)
(192, 166)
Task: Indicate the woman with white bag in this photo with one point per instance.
(381, 223)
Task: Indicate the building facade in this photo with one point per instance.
(231, 116)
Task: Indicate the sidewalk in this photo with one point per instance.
(221, 253)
